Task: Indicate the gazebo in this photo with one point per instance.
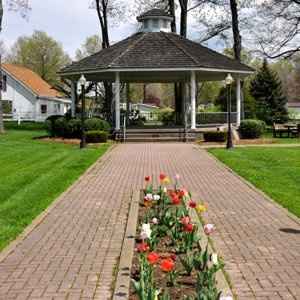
(156, 55)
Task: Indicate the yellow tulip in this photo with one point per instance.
(201, 208)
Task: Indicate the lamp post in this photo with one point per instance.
(82, 83)
(229, 81)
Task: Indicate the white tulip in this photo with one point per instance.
(214, 258)
(146, 232)
(165, 190)
(226, 298)
(156, 197)
(149, 196)
(155, 221)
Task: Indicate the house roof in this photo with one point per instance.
(156, 12)
(31, 80)
(155, 50)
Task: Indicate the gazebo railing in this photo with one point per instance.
(211, 118)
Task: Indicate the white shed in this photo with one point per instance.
(26, 96)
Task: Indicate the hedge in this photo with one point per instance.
(252, 129)
(25, 125)
(71, 128)
(96, 136)
(215, 136)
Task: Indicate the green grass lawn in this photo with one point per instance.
(32, 174)
(283, 140)
(276, 171)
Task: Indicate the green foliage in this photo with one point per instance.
(215, 136)
(91, 45)
(24, 125)
(40, 53)
(96, 124)
(249, 102)
(71, 128)
(166, 116)
(266, 89)
(96, 136)
(252, 129)
(145, 287)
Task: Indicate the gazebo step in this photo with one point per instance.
(157, 139)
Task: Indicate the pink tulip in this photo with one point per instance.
(209, 229)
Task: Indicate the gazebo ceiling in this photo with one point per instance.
(156, 57)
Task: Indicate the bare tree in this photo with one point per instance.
(16, 5)
(279, 23)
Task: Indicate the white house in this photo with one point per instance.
(26, 96)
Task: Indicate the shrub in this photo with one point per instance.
(96, 136)
(167, 116)
(252, 129)
(59, 127)
(49, 123)
(215, 136)
(73, 129)
(96, 124)
(13, 125)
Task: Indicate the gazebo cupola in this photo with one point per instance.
(155, 20)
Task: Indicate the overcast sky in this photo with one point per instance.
(67, 21)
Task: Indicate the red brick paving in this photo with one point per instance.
(73, 252)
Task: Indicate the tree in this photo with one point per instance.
(16, 5)
(266, 89)
(92, 45)
(279, 24)
(40, 53)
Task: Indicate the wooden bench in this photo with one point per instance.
(280, 129)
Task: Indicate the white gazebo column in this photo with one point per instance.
(117, 101)
(193, 99)
(73, 98)
(238, 101)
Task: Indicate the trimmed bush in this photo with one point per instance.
(50, 124)
(96, 124)
(25, 125)
(252, 129)
(166, 116)
(73, 129)
(215, 136)
(59, 128)
(96, 136)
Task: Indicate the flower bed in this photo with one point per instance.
(169, 261)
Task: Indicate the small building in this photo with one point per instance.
(26, 96)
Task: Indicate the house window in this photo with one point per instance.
(43, 108)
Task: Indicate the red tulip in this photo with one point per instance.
(147, 178)
(189, 227)
(143, 247)
(185, 220)
(152, 258)
(175, 200)
(167, 265)
(162, 176)
(192, 204)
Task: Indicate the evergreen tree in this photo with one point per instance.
(266, 89)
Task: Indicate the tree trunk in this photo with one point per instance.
(172, 13)
(183, 17)
(236, 31)
(1, 107)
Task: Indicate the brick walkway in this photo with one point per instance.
(73, 252)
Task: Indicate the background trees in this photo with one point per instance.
(267, 91)
(91, 45)
(40, 53)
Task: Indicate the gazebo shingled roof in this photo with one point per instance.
(156, 50)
